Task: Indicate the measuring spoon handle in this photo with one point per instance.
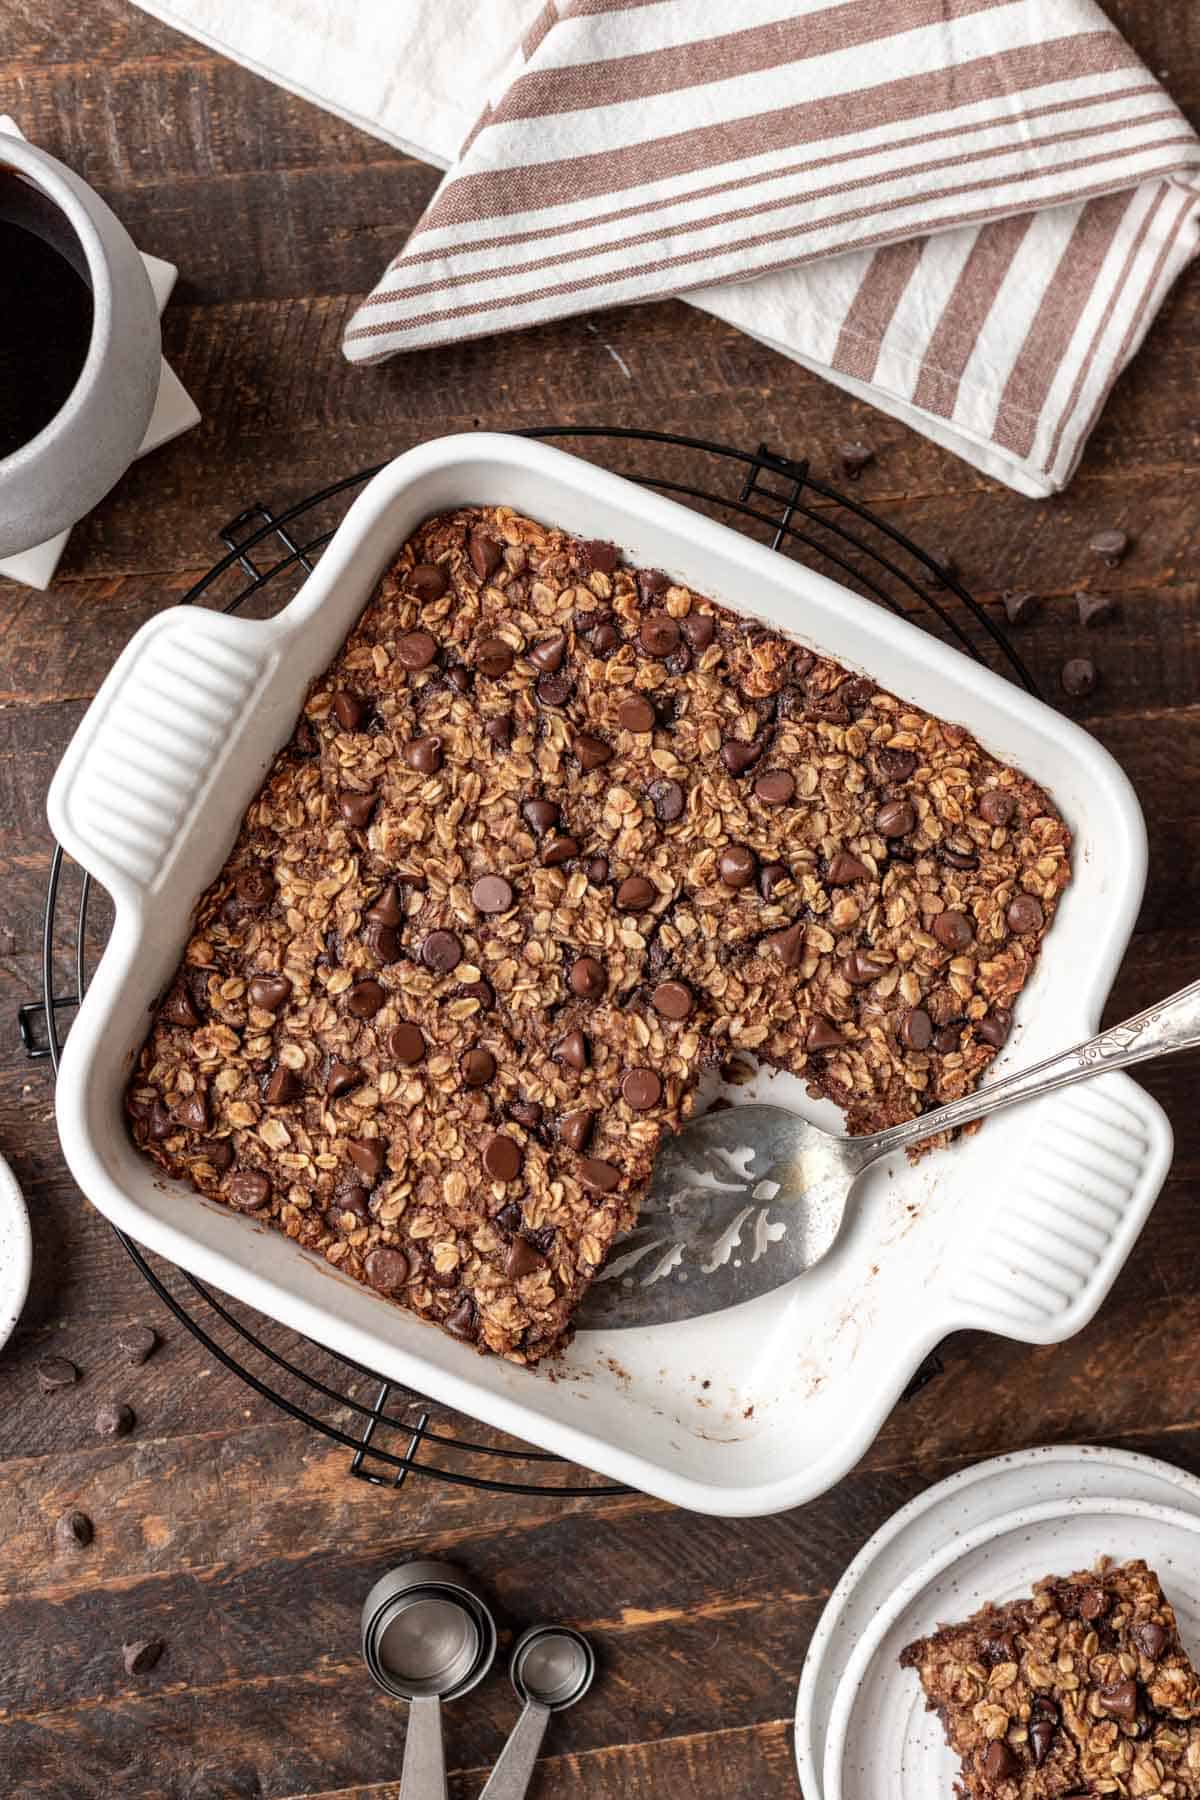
(423, 1775)
(1168, 1026)
(514, 1766)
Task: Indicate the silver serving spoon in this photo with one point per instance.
(745, 1199)
(551, 1668)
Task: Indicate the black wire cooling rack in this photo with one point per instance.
(389, 1431)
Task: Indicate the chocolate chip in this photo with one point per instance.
(114, 1419)
(477, 990)
(845, 868)
(1079, 676)
(1111, 545)
(641, 1089)
(354, 1199)
(1093, 1604)
(527, 1113)
(558, 850)
(554, 690)
(367, 1155)
(953, 930)
(73, 1530)
(598, 556)
(387, 910)
(219, 1152)
(547, 656)
(668, 800)
(998, 1762)
(137, 1343)
(771, 876)
(492, 894)
(995, 1027)
(737, 866)
(672, 1000)
(1019, 605)
(284, 1088)
(140, 1656)
(916, 1029)
(699, 629)
(823, 1035)
(250, 1190)
(441, 952)
(461, 1321)
(365, 998)
(895, 765)
(349, 709)
(1150, 1638)
(56, 1372)
(572, 1050)
(417, 649)
(477, 1067)
(428, 581)
(268, 992)
(386, 1268)
(1041, 1738)
(738, 756)
(1025, 914)
(502, 1157)
(774, 787)
(424, 754)
(597, 871)
(540, 815)
(948, 1039)
(255, 888)
(1119, 1698)
(180, 1009)
(357, 809)
(522, 1259)
(192, 1113)
(857, 694)
(161, 1124)
(587, 978)
(636, 714)
(494, 658)
(498, 731)
(788, 944)
(484, 553)
(956, 858)
(854, 459)
(1095, 609)
(575, 1129)
(652, 584)
(659, 634)
(858, 969)
(604, 637)
(459, 678)
(405, 1044)
(996, 806)
(383, 941)
(895, 818)
(600, 1177)
(343, 1079)
(590, 752)
(635, 894)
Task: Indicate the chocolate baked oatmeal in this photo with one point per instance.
(551, 835)
(1081, 1690)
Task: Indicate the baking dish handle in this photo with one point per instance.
(163, 726)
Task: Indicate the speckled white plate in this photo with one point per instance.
(16, 1252)
(882, 1743)
(946, 1513)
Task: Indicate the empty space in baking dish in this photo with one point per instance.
(1019, 1229)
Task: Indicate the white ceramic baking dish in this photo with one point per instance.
(1020, 1230)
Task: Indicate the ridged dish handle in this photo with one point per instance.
(153, 742)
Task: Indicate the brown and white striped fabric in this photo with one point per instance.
(967, 211)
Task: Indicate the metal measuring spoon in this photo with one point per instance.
(746, 1199)
(427, 1637)
(552, 1667)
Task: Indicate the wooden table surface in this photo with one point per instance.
(222, 1526)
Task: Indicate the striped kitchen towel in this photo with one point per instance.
(967, 211)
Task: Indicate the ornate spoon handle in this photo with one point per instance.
(1169, 1025)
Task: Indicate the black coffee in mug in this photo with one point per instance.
(45, 329)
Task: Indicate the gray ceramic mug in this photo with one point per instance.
(53, 480)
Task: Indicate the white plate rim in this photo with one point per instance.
(941, 1493)
(16, 1242)
(914, 1585)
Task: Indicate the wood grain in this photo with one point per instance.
(222, 1526)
